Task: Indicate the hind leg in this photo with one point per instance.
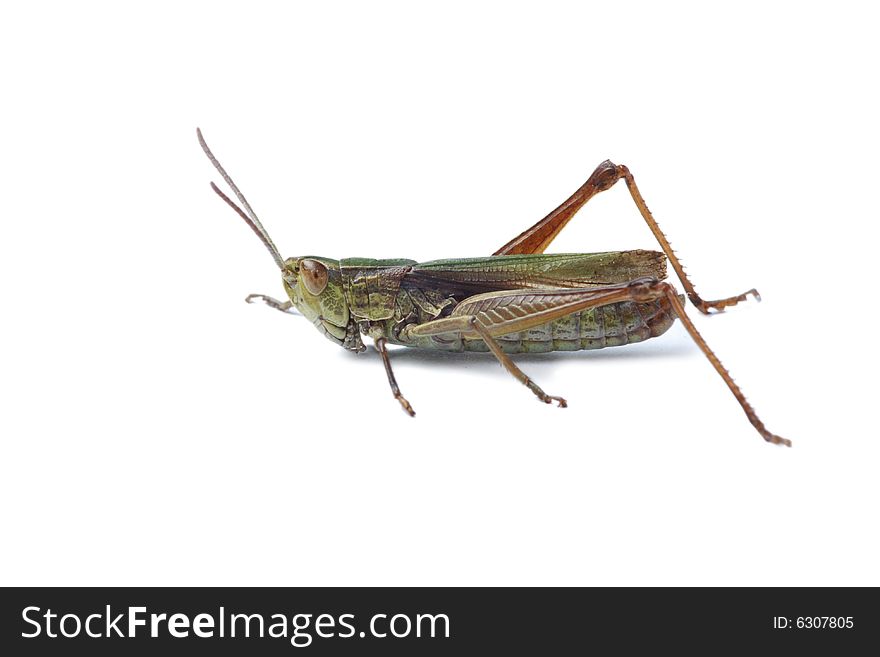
(537, 238)
(488, 316)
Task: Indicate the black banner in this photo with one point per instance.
(417, 621)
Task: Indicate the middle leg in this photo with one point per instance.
(380, 343)
(510, 366)
(470, 326)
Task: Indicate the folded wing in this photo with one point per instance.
(534, 271)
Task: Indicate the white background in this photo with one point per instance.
(158, 430)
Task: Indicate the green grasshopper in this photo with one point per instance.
(517, 300)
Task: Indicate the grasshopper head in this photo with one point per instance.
(314, 286)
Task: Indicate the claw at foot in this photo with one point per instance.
(718, 305)
(406, 405)
(776, 440)
(547, 399)
(543, 396)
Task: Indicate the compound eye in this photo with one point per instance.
(313, 275)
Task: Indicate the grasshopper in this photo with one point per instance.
(514, 301)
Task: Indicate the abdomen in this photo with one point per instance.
(613, 325)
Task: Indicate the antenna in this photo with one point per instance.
(248, 213)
